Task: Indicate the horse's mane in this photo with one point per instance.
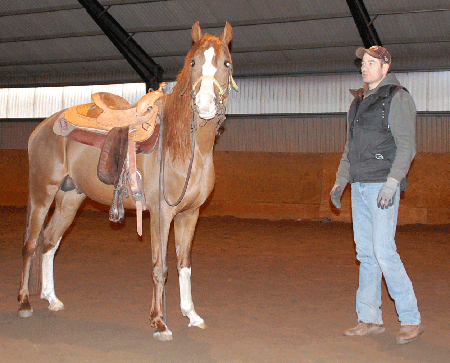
(177, 106)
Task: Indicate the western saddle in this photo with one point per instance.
(120, 130)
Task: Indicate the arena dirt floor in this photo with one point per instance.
(269, 291)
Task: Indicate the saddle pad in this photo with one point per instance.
(64, 127)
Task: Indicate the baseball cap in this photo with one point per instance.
(376, 51)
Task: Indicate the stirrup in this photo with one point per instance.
(117, 211)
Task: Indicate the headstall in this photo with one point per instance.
(223, 94)
(220, 104)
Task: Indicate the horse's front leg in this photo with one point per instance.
(159, 225)
(184, 225)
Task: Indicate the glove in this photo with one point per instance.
(336, 194)
(387, 193)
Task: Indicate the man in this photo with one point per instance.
(377, 156)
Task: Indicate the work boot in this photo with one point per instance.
(409, 333)
(365, 329)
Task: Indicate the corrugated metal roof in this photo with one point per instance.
(43, 41)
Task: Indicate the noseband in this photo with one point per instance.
(220, 105)
(223, 94)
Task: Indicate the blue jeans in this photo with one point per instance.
(374, 232)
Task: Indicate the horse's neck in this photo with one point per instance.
(180, 106)
(205, 136)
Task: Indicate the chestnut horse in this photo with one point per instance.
(177, 180)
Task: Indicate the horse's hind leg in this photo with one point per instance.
(39, 246)
(32, 249)
(66, 206)
(184, 226)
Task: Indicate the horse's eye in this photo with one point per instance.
(227, 64)
(192, 63)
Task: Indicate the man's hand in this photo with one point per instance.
(387, 193)
(336, 194)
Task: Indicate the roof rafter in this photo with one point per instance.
(149, 71)
(364, 24)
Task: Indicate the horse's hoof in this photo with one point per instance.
(25, 313)
(56, 306)
(196, 320)
(163, 336)
(201, 325)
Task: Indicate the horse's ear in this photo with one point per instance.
(227, 33)
(196, 32)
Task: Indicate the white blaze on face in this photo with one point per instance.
(205, 98)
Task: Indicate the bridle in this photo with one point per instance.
(223, 94)
(221, 99)
(221, 107)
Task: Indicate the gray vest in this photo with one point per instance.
(372, 146)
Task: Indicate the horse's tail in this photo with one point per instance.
(35, 276)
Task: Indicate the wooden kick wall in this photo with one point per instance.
(303, 133)
(275, 185)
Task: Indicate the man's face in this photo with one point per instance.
(373, 70)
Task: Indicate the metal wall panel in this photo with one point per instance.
(324, 94)
(132, 92)
(439, 87)
(47, 101)
(3, 102)
(76, 96)
(20, 103)
(280, 114)
(274, 95)
(306, 94)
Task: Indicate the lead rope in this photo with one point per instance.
(191, 162)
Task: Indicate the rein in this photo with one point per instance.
(220, 104)
(191, 161)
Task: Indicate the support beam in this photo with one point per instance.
(363, 22)
(150, 72)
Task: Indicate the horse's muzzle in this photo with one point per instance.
(206, 105)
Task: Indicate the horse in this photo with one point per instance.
(177, 179)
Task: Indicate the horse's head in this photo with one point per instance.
(211, 71)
